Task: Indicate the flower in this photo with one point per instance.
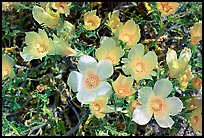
(38, 45)
(7, 67)
(137, 64)
(196, 33)
(61, 7)
(114, 20)
(61, 47)
(66, 31)
(133, 105)
(197, 82)
(90, 81)
(129, 33)
(176, 66)
(46, 16)
(91, 21)
(108, 50)
(154, 102)
(195, 120)
(183, 80)
(193, 103)
(123, 86)
(99, 106)
(6, 5)
(167, 8)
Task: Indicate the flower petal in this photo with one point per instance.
(145, 94)
(86, 96)
(163, 88)
(150, 60)
(104, 69)
(141, 115)
(27, 54)
(164, 120)
(75, 81)
(136, 51)
(86, 62)
(175, 105)
(129, 27)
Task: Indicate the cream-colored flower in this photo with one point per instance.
(167, 8)
(196, 33)
(7, 67)
(184, 79)
(176, 66)
(108, 50)
(61, 7)
(155, 102)
(195, 120)
(91, 20)
(197, 82)
(137, 64)
(91, 80)
(99, 106)
(129, 33)
(61, 47)
(46, 16)
(123, 86)
(38, 45)
(114, 20)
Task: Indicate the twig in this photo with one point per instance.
(36, 127)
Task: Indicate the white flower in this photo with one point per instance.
(155, 102)
(90, 81)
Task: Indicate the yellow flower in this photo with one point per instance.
(176, 66)
(99, 106)
(196, 33)
(91, 80)
(137, 64)
(123, 86)
(129, 33)
(114, 20)
(91, 21)
(193, 103)
(167, 8)
(61, 7)
(46, 16)
(61, 47)
(6, 5)
(183, 80)
(197, 82)
(38, 45)
(155, 102)
(195, 120)
(133, 105)
(109, 51)
(7, 67)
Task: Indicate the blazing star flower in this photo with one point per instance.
(197, 82)
(99, 106)
(137, 64)
(38, 45)
(91, 80)
(61, 7)
(7, 67)
(114, 20)
(176, 66)
(123, 86)
(193, 103)
(129, 33)
(167, 8)
(46, 16)
(154, 102)
(91, 21)
(183, 80)
(195, 120)
(196, 33)
(109, 51)
(61, 47)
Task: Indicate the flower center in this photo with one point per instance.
(92, 21)
(92, 81)
(40, 49)
(166, 7)
(156, 105)
(5, 71)
(139, 67)
(96, 106)
(109, 58)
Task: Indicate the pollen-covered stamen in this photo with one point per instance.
(157, 105)
(109, 58)
(166, 7)
(92, 81)
(96, 106)
(122, 90)
(139, 67)
(5, 71)
(40, 49)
